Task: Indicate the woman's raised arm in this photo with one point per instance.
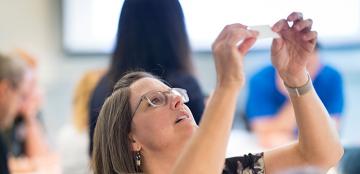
(206, 150)
(318, 144)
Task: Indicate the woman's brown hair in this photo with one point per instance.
(112, 145)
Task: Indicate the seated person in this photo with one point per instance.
(28, 133)
(12, 91)
(269, 111)
(27, 141)
(145, 126)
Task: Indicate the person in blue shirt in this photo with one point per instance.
(268, 108)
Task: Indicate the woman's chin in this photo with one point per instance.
(191, 128)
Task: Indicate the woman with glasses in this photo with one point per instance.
(144, 126)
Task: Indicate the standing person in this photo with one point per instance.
(151, 37)
(269, 110)
(144, 126)
(12, 91)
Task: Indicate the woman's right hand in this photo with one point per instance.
(229, 49)
(291, 53)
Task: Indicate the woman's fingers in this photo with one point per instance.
(237, 37)
(300, 25)
(280, 25)
(224, 33)
(295, 16)
(310, 36)
(303, 25)
(237, 32)
(234, 35)
(228, 50)
(246, 45)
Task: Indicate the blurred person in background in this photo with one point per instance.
(151, 37)
(13, 81)
(269, 111)
(28, 131)
(73, 139)
(27, 141)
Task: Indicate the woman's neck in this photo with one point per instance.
(160, 162)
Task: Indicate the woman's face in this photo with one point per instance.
(165, 127)
(33, 99)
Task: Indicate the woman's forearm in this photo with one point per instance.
(206, 151)
(319, 142)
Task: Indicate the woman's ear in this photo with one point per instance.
(135, 145)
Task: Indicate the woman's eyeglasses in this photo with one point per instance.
(160, 98)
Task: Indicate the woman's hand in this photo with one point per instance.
(229, 50)
(32, 103)
(291, 52)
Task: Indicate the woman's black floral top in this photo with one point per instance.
(247, 164)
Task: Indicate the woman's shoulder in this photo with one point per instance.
(250, 163)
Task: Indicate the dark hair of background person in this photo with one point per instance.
(151, 36)
(112, 145)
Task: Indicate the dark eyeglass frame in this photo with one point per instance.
(174, 91)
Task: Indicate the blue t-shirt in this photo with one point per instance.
(265, 100)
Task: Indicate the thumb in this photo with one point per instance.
(246, 45)
(277, 44)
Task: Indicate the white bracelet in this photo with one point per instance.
(299, 91)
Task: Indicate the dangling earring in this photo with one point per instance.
(138, 158)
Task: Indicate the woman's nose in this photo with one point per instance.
(176, 101)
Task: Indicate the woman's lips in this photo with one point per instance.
(181, 118)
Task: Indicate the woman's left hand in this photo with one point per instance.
(291, 52)
(229, 50)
